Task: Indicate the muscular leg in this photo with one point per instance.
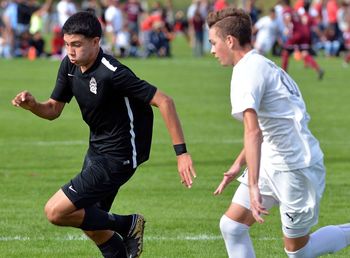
(240, 214)
(76, 206)
(293, 244)
(62, 212)
(235, 223)
(325, 240)
(234, 226)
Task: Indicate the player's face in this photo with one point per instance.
(81, 51)
(220, 48)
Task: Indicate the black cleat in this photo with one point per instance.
(134, 239)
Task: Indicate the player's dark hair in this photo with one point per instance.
(234, 22)
(83, 23)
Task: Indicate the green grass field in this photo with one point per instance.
(38, 156)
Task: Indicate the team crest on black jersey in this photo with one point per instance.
(93, 85)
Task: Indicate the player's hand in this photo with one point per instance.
(25, 100)
(256, 204)
(228, 178)
(186, 169)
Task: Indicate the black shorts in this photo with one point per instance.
(98, 182)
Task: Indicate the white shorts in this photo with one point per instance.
(297, 193)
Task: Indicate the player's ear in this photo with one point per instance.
(231, 41)
(96, 40)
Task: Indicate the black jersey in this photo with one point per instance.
(114, 103)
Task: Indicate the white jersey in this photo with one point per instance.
(65, 9)
(257, 83)
(114, 19)
(266, 35)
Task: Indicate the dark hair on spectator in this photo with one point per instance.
(234, 22)
(83, 23)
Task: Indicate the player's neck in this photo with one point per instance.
(240, 53)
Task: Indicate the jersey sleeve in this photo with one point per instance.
(247, 89)
(125, 81)
(63, 90)
(260, 23)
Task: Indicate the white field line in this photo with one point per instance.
(146, 238)
(81, 142)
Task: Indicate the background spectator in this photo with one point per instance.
(159, 42)
(65, 8)
(9, 19)
(266, 30)
(133, 10)
(181, 24)
(57, 43)
(197, 22)
(220, 4)
(330, 41)
(122, 44)
(114, 23)
(298, 30)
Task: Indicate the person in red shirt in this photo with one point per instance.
(299, 4)
(133, 11)
(299, 28)
(57, 42)
(332, 9)
(220, 4)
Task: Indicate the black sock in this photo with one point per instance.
(113, 248)
(97, 219)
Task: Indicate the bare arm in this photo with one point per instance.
(232, 173)
(167, 109)
(252, 146)
(50, 109)
(44, 8)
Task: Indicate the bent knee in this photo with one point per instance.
(223, 224)
(53, 214)
(229, 226)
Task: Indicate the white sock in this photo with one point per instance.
(326, 240)
(329, 239)
(237, 240)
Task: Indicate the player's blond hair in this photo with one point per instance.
(232, 21)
